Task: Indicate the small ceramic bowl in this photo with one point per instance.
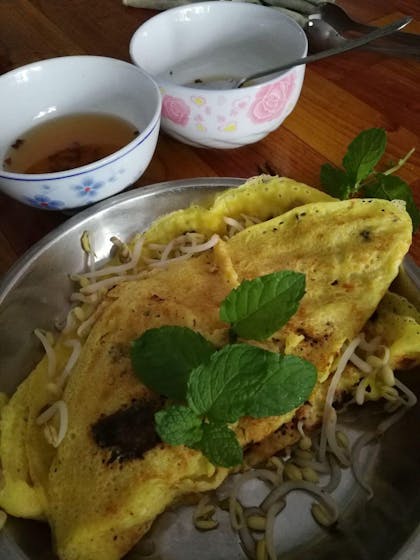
(78, 84)
(194, 51)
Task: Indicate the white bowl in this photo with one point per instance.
(212, 41)
(78, 84)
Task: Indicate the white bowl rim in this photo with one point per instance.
(90, 167)
(218, 5)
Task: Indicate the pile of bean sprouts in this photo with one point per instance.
(310, 466)
(129, 263)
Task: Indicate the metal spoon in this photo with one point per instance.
(348, 45)
(342, 22)
(322, 36)
(324, 31)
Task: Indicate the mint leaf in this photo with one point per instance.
(335, 181)
(178, 425)
(231, 384)
(221, 388)
(239, 380)
(220, 446)
(391, 187)
(363, 154)
(259, 307)
(164, 357)
(289, 383)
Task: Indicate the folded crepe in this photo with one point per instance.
(109, 478)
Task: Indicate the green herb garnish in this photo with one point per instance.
(164, 357)
(391, 187)
(220, 446)
(363, 153)
(359, 176)
(259, 307)
(239, 380)
(179, 425)
(244, 380)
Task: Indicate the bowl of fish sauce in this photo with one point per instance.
(75, 130)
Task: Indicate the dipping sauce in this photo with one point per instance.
(68, 142)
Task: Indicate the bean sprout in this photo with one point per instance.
(328, 425)
(49, 350)
(272, 513)
(118, 269)
(60, 408)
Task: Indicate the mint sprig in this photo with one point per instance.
(289, 383)
(238, 380)
(220, 446)
(222, 386)
(363, 153)
(335, 181)
(221, 389)
(259, 307)
(244, 380)
(391, 187)
(359, 176)
(179, 425)
(163, 358)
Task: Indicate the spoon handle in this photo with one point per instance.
(398, 39)
(395, 50)
(347, 46)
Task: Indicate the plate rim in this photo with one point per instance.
(19, 267)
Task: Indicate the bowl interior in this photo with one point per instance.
(78, 84)
(215, 40)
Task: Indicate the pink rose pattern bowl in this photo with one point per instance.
(271, 100)
(269, 103)
(175, 109)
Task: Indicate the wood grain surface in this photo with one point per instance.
(340, 97)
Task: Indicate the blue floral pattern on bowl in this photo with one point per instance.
(45, 202)
(88, 187)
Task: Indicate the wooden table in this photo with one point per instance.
(340, 97)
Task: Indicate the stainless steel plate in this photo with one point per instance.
(35, 294)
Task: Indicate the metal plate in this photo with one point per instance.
(35, 294)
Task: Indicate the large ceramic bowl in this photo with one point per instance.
(78, 84)
(194, 51)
